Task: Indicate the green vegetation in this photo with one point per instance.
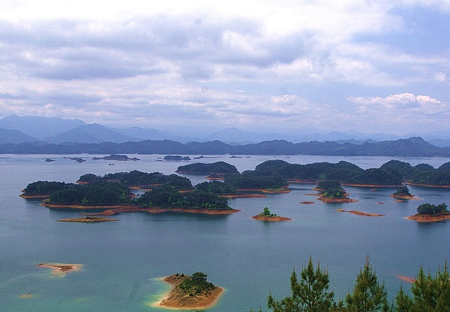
(331, 189)
(46, 187)
(96, 193)
(402, 191)
(217, 168)
(255, 180)
(164, 191)
(139, 178)
(196, 284)
(216, 187)
(311, 293)
(266, 213)
(430, 209)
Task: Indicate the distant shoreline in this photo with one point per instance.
(422, 218)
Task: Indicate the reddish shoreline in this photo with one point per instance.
(271, 219)
(283, 190)
(421, 218)
(428, 185)
(337, 200)
(43, 196)
(404, 197)
(176, 299)
(361, 213)
(112, 210)
(298, 181)
(243, 195)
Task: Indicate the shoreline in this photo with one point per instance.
(421, 218)
(88, 219)
(337, 200)
(271, 219)
(298, 181)
(361, 213)
(112, 210)
(428, 185)
(404, 197)
(167, 300)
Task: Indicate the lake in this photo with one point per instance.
(123, 260)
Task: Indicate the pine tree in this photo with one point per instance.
(368, 295)
(310, 294)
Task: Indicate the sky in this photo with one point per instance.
(266, 66)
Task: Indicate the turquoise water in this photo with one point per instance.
(122, 260)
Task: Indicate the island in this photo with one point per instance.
(116, 157)
(332, 192)
(431, 213)
(43, 189)
(112, 194)
(60, 269)
(403, 193)
(217, 169)
(88, 219)
(190, 292)
(361, 213)
(267, 216)
(176, 158)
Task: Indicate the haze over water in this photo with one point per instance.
(122, 260)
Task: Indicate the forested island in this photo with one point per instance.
(332, 192)
(112, 193)
(431, 213)
(403, 193)
(217, 169)
(277, 174)
(190, 292)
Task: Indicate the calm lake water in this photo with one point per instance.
(122, 260)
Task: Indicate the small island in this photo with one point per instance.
(332, 192)
(116, 157)
(190, 292)
(361, 213)
(403, 193)
(88, 219)
(431, 213)
(176, 158)
(60, 269)
(267, 216)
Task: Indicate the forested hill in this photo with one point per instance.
(413, 147)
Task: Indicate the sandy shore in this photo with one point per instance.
(428, 185)
(427, 218)
(337, 200)
(176, 299)
(361, 213)
(88, 219)
(43, 196)
(405, 197)
(60, 269)
(406, 278)
(271, 219)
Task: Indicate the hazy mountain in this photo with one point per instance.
(14, 136)
(237, 136)
(94, 133)
(39, 127)
(152, 134)
(412, 147)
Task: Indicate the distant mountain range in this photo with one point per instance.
(24, 129)
(412, 147)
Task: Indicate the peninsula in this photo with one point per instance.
(190, 292)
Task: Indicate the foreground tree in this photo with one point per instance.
(310, 294)
(368, 295)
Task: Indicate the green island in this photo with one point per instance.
(332, 192)
(112, 194)
(43, 189)
(190, 292)
(267, 216)
(276, 174)
(403, 193)
(431, 213)
(310, 291)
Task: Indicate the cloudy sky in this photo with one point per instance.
(283, 65)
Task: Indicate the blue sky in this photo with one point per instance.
(369, 66)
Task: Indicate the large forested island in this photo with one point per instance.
(112, 193)
(332, 192)
(431, 213)
(277, 174)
